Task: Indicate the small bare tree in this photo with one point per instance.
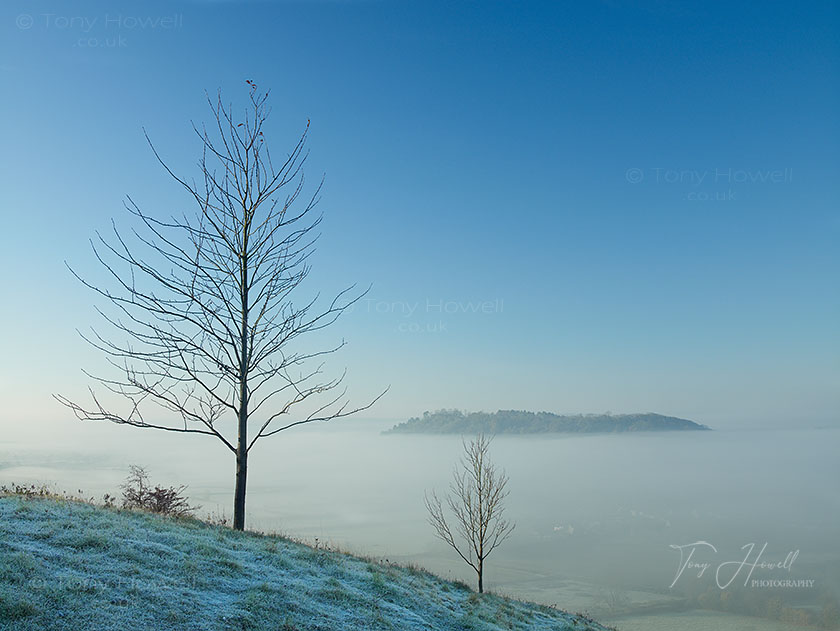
(477, 503)
(206, 307)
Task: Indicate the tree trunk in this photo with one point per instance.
(241, 460)
(239, 493)
(480, 577)
(242, 439)
(242, 435)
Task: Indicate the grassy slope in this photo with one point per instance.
(70, 565)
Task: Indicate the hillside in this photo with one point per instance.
(71, 565)
(520, 422)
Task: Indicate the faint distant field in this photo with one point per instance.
(595, 514)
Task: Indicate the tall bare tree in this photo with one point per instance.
(478, 491)
(204, 309)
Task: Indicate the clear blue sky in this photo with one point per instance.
(646, 193)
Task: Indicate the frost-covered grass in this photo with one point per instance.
(70, 565)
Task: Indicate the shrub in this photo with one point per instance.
(138, 493)
(41, 490)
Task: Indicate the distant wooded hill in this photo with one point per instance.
(521, 422)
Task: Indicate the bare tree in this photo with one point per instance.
(477, 503)
(203, 303)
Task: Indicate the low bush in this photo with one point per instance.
(137, 492)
